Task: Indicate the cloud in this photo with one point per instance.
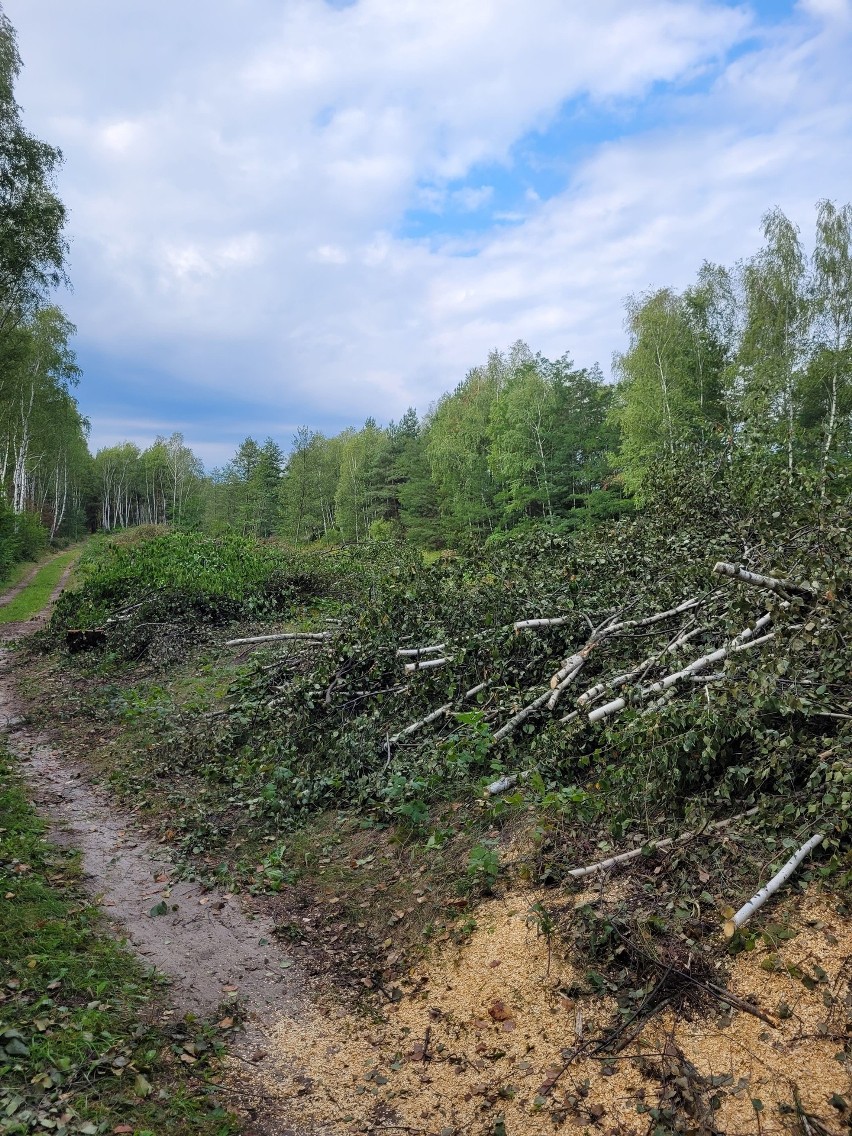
(238, 186)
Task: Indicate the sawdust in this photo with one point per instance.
(484, 1026)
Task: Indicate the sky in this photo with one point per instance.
(288, 212)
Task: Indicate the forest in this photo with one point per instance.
(750, 365)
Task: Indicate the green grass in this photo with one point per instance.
(80, 1050)
(16, 574)
(35, 595)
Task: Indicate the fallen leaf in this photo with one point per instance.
(226, 1023)
(499, 1012)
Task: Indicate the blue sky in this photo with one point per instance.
(303, 212)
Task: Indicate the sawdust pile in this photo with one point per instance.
(479, 1041)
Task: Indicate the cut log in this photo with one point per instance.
(757, 901)
(280, 637)
(759, 581)
(416, 652)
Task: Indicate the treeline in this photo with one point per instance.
(522, 440)
(44, 460)
(750, 366)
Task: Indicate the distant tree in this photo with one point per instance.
(32, 218)
(831, 365)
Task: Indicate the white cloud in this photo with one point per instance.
(235, 184)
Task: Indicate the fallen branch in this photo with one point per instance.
(410, 668)
(757, 901)
(524, 624)
(521, 716)
(310, 635)
(435, 714)
(744, 641)
(416, 652)
(631, 624)
(759, 581)
(668, 842)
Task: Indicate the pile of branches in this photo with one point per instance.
(693, 664)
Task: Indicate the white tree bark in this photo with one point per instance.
(668, 842)
(759, 581)
(741, 642)
(309, 635)
(757, 901)
(435, 715)
(410, 668)
(416, 652)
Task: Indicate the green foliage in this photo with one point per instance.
(483, 866)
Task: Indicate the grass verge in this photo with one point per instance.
(16, 573)
(80, 1048)
(35, 595)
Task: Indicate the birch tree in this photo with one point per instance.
(832, 307)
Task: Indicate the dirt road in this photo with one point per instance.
(210, 945)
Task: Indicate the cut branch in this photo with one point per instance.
(410, 668)
(759, 581)
(310, 635)
(435, 714)
(741, 642)
(757, 901)
(416, 652)
(668, 842)
(524, 624)
(521, 716)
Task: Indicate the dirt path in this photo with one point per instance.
(212, 947)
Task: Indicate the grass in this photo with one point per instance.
(81, 1050)
(36, 594)
(16, 574)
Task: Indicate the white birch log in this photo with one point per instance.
(623, 857)
(410, 668)
(563, 685)
(524, 624)
(416, 652)
(521, 716)
(742, 642)
(435, 715)
(759, 581)
(757, 901)
(315, 635)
